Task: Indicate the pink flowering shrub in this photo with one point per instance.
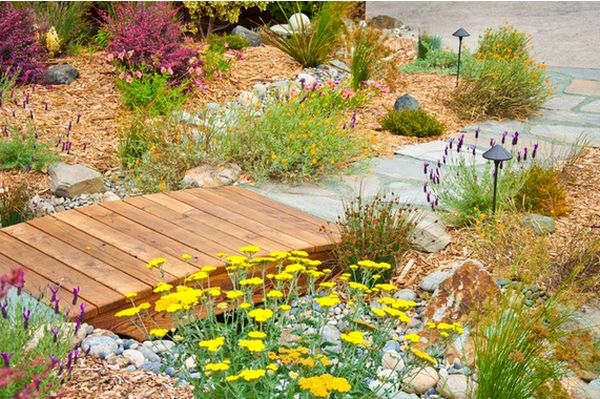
(21, 53)
(147, 36)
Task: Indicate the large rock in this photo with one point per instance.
(252, 37)
(578, 389)
(420, 380)
(73, 180)
(100, 346)
(135, 357)
(385, 22)
(282, 30)
(429, 234)
(457, 386)
(467, 289)
(212, 176)
(432, 281)
(61, 74)
(299, 22)
(406, 101)
(540, 224)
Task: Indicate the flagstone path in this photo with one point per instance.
(569, 117)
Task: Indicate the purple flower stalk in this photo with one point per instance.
(477, 131)
(30, 114)
(54, 291)
(78, 118)
(57, 305)
(353, 120)
(492, 142)
(534, 152)
(6, 357)
(450, 143)
(53, 361)
(425, 187)
(525, 154)
(518, 156)
(504, 136)
(446, 150)
(26, 317)
(75, 295)
(444, 159)
(45, 105)
(515, 138)
(425, 167)
(54, 332)
(4, 309)
(474, 150)
(81, 314)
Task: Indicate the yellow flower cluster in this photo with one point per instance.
(184, 298)
(260, 315)
(423, 356)
(212, 345)
(129, 312)
(355, 338)
(328, 301)
(253, 345)
(247, 375)
(157, 262)
(321, 386)
(298, 356)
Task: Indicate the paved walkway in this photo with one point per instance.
(574, 111)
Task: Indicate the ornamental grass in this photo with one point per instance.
(278, 348)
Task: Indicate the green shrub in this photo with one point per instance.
(281, 11)
(25, 152)
(151, 91)
(378, 229)
(313, 45)
(13, 205)
(213, 12)
(299, 139)
(7, 82)
(215, 62)
(441, 62)
(506, 43)
(224, 42)
(427, 43)
(370, 56)
(412, 122)
(101, 39)
(543, 192)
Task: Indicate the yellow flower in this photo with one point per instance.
(357, 286)
(430, 324)
(245, 305)
(252, 281)
(321, 386)
(294, 268)
(128, 312)
(257, 334)
(272, 367)
(379, 312)
(130, 295)
(158, 332)
(251, 374)
(212, 345)
(355, 338)
(156, 263)
(234, 294)
(186, 257)
(144, 306)
(300, 254)
(275, 294)
(285, 307)
(283, 276)
(329, 284)
(231, 378)
(412, 338)
(328, 301)
(250, 249)
(279, 255)
(422, 355)
(253, 345)
(261, 315)
(197, 276)
(162, 287)
(214, 292)
(208, 269)
(212, 367)
(386, 287)
(174, 307)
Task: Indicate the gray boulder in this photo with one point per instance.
(406, 101)
(252, 37)
(62, 74)
(100, 346)
(429, 234)
(385, 22)
(540, 224)
(73, 180)
(432, 281)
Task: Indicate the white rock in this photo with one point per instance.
(283, 30)
(419, 380)
(308, 79)
(299, 22)
(212, 176)
(457, 386)
(247, 98)
(190, 363)
(387, 375)
(135, 357)
(430, 234)
(110, 196)
(392, 360)
(433, 280)
(579, 389)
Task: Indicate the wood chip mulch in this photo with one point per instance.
(93, 378)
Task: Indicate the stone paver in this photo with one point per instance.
(571, 115)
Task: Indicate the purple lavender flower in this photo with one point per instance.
(425, 167)
(14, 113)
(444, 159)
(45, 105)
(27, 168)
(492, 142)
(518, 156)
(57, 306)
(54, 332)
(53, 361)
(302, 83)
(425, 187)
(78, 118)
(439, 164)
(75, 295)
(477, 131)
(6, 357)
(26, 317)
(81, 314)
(515, 138)
(429, 197)
(474, 150)
(525, 154)
(446, 150)
(353, 120)
(450, 143)
(30, 114)
(504, 136)
(4, 309)
(77, 325)
(54, 291)
(534, 152)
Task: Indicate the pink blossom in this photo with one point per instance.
(121, 55)
(122, 75)
(169, 71)
(130, 53)
(129, 78)
(138, 74)
(347, 93)
(110, 57)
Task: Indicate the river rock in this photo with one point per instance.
(135, 357)
(431, 282)
(540, 224)
(100, 346)
(61, 74)
(419, 380)
(212, 176)
(384, 22)
(457, 386)
(73, 180)
(406, 101)
(299, 22)
(467, 289)
(578, 389)
(429, 233)
(391, 360)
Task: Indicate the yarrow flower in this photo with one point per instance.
(158, 332)
(321, 386)
(212, 345)
(253, 345)
(260, 315)
(355, 338)
(156, 263)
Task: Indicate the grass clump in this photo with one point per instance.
(427, 43)
(217, 56)
(370, 57)
(303, 138)
(409, 122)
(315, 44)
(13, 205)
(378, 229)
(25, 152)
(543, 192)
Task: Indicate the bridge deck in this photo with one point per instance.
(103, 249)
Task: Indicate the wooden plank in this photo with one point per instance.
(74, 258)
(282, 222)
(239, 220)
(149, 236)
(98, 249)
(190, 218)
(102, 297)
(198, 242)
(261, 199)
(38, 286)
(126, 243)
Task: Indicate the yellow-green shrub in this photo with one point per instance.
(543, 192)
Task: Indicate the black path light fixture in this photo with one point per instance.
(497, 154)
(460, 33)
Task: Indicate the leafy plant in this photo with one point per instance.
(21, 54)
(25, 152)
(150, 90)
(515, 346)
(427, 43)
(315, 44)
(146, 35)
(281, 11)
(543, 192)
(101, 38)
(506, 43)
(36, 349)
(371, 58)
(378, 229)
(225, 42)
(214, 57)
(14, 205)
(7, 83)
(215, 11)
(299, 139)
(409, 122)
(440, 61)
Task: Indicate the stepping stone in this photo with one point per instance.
(584, 87)
(398, 168)
(568, 118)
(568, 134)
(563, 103)
(434, 151)
(594, 106)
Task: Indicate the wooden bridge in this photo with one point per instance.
(103, 249)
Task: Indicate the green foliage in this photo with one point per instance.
(543, 192)
(506, 43)
(427, 43)
(515, 346)
(7, 82)
(150, 91)
(101, 39)
(215, 62)
(25, 152)
(412, 122)
(313, 45)
(13, 205)
(224, 11)
(224, 42)
(299, 139)
(440, 61)
(281, 11)
(378, 229)
(370, 56)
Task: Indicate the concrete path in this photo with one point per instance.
(573, 112)
(564, 33)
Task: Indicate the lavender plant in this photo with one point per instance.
(464, 190)
(24, 151)
(36, 348)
